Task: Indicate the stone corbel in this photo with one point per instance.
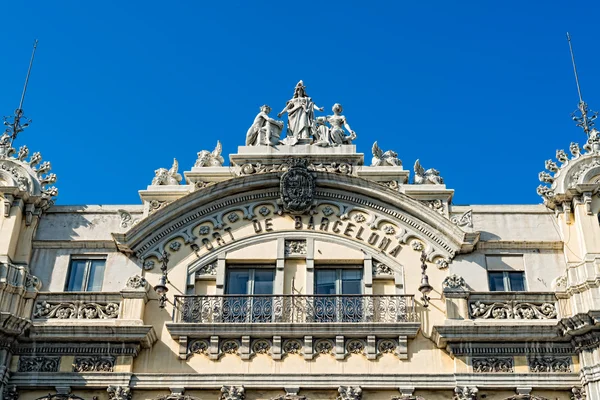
(587, 200)
(566, 205)
(8, 199)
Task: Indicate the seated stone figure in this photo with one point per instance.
(265, 131)
(334, 135)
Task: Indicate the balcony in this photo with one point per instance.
(281, 318)
(295, 309)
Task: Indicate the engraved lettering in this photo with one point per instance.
(348, 229)
(359, 233)
(257, 226)
(324, 224)
(373, 238)
(298, 222)
(394, 252)
(385, 242)
(311, 223)
(228, 230)
(218, 238)
(207, 244)
(268, 224)
(336, 226)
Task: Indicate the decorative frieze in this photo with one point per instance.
(466, 219)
(491, 364)
(436, 205)
(232, 393)
(136, 282)
(39, 364)
(119, 393)
(209, 269)
(308, 347)
(94, 364)
(295, 247)
(380, 269)
(11, 393)
(549, 364)
(454, 283)
(576, 394)
(349, 393)
(512, 310)
(76, 310)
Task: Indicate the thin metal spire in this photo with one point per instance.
(28, 74)
(16, 126)
(584, 121)
(574, 67)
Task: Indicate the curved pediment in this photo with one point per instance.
(344, 205)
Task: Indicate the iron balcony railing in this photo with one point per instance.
(295, 309)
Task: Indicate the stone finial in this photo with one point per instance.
(454, 283)
(162, 176)
(232, 393)
(426, 177)
(210, 159)
(349, 393)
(465, 393)
(387, 159)
(119, 393)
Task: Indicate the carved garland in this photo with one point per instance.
(76, 310)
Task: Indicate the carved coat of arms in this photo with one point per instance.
(297, 188)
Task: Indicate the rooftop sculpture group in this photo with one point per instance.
(302, 126)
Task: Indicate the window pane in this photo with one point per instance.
(325, 282)
(496, 281)
(76, 276)
(263, 281)
(517, 281)
(351, 281)
(237, 281)
(96, 275)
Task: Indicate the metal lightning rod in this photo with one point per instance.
(574, 67)
(585, 121)
(28, 74)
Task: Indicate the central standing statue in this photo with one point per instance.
(301, 115)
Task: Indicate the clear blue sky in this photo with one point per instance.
(481, 91)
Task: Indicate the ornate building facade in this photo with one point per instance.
(300, 271)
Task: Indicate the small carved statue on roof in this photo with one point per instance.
(334, 135)
(301, 115)
(210, 159)
(265, 131)
(6, 149)
(387, 159)
(593, 142)
(423, 177)
(167, 177)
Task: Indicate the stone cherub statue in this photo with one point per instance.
(301, 115)
(387, 159)
(431, 176)
(333, 135)
(265, 131)
(167, 177)
(210, 159)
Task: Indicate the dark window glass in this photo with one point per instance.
(85, 276)
(516, 281)
(496, 281)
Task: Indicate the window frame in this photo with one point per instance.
(251, 272)
(338, 268)
(86, 276)
(506, 280)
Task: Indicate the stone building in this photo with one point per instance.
(300, 271)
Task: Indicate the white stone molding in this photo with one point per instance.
(21, 181)
(149, 237)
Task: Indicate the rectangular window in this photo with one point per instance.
(506, 281)
(249, 295)
(85, 275)
(337, 297)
